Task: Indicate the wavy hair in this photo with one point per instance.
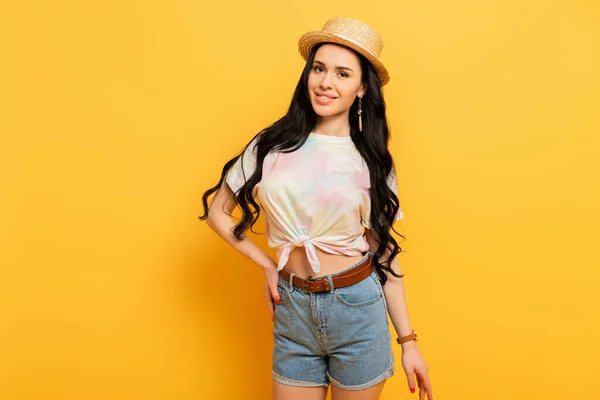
(291, 131)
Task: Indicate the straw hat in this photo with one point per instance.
(352, 33)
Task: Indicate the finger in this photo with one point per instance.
(269, 302)
(411, 381)
(271, 309)
(271, 292)
(427, 385)
(421, 389)
(424, 384)
(274, 293)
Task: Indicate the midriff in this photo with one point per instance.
(330, 263)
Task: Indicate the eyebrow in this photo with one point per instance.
(337, 67)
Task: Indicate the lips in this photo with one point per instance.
(326, 95)
(324, 99)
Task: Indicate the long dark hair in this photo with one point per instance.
(291, 131)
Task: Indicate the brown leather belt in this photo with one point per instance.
(321, 284)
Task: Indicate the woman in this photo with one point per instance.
(325, 179)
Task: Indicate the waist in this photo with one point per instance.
(330, 263)
(354, 274)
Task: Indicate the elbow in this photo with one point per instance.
(210, 221)
(217, 221)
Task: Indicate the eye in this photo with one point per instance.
(345, 75)
(317, 68)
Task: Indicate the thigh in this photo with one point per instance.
(285, 392)
(298, 356)
(360, 351)
(370, 393)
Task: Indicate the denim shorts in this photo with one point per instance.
(340, 337)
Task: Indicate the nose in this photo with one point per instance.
(326, 82)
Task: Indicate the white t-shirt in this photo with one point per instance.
(315, 196)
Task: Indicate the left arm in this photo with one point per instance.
(395, 297)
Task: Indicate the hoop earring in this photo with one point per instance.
(360, 114)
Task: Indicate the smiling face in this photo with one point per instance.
(335, 80)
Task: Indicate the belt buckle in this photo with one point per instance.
(304, 288)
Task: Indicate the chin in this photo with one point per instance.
(324, 111)
(322, 114)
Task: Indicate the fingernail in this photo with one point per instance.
(412, 390)
(278, 301)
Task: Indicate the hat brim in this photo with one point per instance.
(309, 39)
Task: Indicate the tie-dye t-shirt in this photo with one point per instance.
(315, 196)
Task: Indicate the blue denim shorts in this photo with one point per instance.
(340, 337)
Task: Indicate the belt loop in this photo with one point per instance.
(330, 284)
(291, 283)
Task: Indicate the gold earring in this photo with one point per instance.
(360, 114)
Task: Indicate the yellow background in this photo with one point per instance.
(117, 115)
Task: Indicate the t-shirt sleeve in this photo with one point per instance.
(393, 185)
(243, 168)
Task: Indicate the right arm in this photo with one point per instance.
(222, 224)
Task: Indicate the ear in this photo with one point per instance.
(363, 89)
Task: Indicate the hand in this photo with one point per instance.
(413, 363)
(271, 293)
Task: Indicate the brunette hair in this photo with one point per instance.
(291, 131)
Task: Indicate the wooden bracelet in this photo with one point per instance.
(404, 339)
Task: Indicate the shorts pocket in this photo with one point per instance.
(360, 294)
(380, 286)
(283, 293)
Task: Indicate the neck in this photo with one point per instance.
(333, 125)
